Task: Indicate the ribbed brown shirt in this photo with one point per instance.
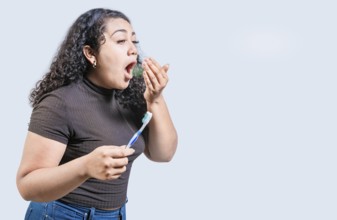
(84, 117)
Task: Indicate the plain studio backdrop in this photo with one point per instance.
(252, 92)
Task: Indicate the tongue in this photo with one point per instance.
(128, 68)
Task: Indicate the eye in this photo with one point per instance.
(121, 41)
(135, 42)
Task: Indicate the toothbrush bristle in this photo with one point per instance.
(147, 117)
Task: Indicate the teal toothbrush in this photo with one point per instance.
(146, 119)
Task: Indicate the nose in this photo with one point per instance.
(132, 50)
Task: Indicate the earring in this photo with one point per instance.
(94, 64)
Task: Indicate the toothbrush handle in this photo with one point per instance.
(133, 139)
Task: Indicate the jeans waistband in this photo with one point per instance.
(89, 213)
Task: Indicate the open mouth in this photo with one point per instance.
(130, 67)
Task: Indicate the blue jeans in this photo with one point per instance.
(60, 211)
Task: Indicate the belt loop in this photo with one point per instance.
(121, 212)
(91, 213)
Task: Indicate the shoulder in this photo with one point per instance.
(60, 96)
(50, 116)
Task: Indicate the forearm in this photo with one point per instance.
(52, 183)
(163, 138)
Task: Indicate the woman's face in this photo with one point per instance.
(116, 57)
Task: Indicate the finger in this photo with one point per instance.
(119, 152)
(151, 79)
(120, 162)
(147, 81)
(115, 172)
(153, 64)
(166, 68)
(158, 66)
(156, 70)
(128, 151)
(160, 72)
(112, 177)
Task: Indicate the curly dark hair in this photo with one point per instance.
(70, 65)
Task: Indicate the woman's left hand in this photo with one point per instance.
(156, 79)
(162, 136)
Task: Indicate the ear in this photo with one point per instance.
(89, 54)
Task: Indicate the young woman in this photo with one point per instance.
(75, 164)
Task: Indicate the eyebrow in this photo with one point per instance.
(122, 30)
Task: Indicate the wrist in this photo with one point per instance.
(154, 102)
(84, 169)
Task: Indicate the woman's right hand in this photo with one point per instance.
(41, 178)
(107, 162)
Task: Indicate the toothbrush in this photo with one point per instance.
(146, 119)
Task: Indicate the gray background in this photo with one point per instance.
(252, 92)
